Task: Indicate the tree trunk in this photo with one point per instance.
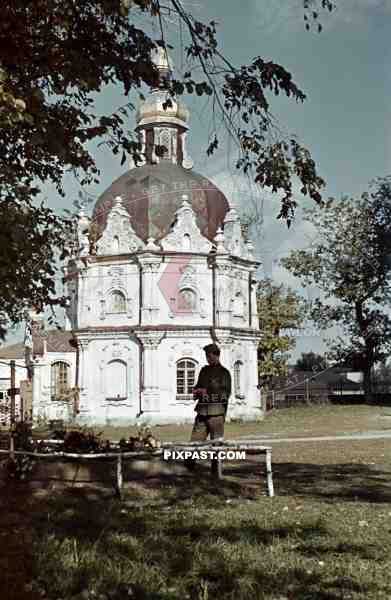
(367, 385)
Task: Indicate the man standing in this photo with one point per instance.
(212, 391)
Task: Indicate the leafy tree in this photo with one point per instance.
(56, 55)
(381, 378)
(279, 308)
(351, 263)
(309, 360)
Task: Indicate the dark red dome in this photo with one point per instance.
(153, 193)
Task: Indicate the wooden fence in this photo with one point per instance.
(253, 447)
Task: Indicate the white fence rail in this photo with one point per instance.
(249, 446)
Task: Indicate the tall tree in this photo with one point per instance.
(351, 264)
(56, 55)
(280, 308)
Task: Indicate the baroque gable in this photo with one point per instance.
(119, 236)
(185, 235)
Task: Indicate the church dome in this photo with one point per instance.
(153, 193)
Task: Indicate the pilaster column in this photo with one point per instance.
(82, 296)
(225, 342)
(223, 291)
(150, 306)
(151, 387)
(255, 401)
(254, 305)
(83, 381)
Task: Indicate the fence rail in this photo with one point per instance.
(250, 446)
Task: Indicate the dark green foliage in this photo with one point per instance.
(350, 262)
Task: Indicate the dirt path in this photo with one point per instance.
(361, 435)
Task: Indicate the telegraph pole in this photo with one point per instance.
(12, 415)
(12, 392)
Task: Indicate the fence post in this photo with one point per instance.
(12, 446)
(119, 478)
(269, 474)
(13, 378)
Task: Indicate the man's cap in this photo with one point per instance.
(212, 348)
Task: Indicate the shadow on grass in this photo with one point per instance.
(146, 532)
(343, 482)
(226, 558)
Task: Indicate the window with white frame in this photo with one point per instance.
(238, 378)
(59, 379)
(187, 300)
(185, 377)
(117, 302)
(116, 380)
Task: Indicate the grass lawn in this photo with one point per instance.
(301, 421)
(325, 536)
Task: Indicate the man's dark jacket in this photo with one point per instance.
(217, 381)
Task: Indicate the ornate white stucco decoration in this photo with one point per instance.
(187, 162)
(219, 241)
(117, 277)
(83, 243)
(233, 236)
(151, 245)
(185, 235)
(250, 250)
(188, 277)
(119, 236)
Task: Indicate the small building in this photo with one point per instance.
(308, 387)
(54, 367)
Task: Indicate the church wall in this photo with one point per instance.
(173, 408)
(232, 292)
(195, 306)
(110, 381)
(245, 402)
(109, 295)
(171, 350)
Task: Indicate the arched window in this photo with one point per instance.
(186, 242)
(116, 245)
(118, 302)
(185, 377)
(187, 300)
(165, 140)
(238, 378)
(116, 380)
(59, 379)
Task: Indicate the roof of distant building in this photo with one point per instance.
(56, 341)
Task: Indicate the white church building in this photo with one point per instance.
(169, 272)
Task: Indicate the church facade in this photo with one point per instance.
(168, 272)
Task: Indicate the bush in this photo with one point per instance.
(84, 441)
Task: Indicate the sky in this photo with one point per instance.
(345, 120)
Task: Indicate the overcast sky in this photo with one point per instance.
(345, 121)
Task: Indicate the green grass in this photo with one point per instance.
(312, 420)
(326, 535)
